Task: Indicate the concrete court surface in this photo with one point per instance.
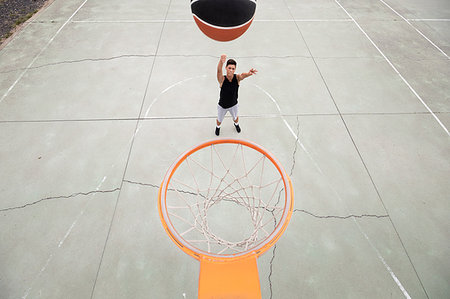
(98, 98)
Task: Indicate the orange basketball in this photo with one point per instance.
(223, 20)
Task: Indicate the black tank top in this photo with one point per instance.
(229, 92)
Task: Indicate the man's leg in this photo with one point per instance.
(220, 115)
(234, 112)
(218, 123)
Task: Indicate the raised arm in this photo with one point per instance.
(222, 60)
(242, 76)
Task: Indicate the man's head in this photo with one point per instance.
(232, 62)
(231, 67)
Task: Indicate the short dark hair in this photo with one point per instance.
(231, 61)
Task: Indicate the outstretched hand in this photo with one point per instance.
(252, 71)
(223, 58)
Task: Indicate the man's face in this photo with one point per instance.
(231, 68)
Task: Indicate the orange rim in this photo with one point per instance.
(200, 254)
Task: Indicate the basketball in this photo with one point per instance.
(223, 20)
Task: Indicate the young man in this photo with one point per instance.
(229, 85)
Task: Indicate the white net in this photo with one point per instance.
(225, 199)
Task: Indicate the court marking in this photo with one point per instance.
(42, 51)
(396, 70)
(191, 21)
(430, 20)
(409, 23)
(61, 242)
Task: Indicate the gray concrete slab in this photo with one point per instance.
(98, 98)
(139, 253)
(336, 39)
(367, 85)
(79, 41)
(329, 263)
(434, 9)
(29, 42)
(179, 10)
(273, 10)
(445, 118)
(369, 10)
(316, 10)
(64, 92)
(56, 159)
(437, 31)
(323, 188)
(429, 78)
(400, 40)
(55, 252)
(60, 12)
(265, 34)
(116, 10)
(413, 150)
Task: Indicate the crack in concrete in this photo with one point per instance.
(169, 189)
(290, 174)
(58, 197)
(271, 270)
(135, 56)
(78, 61)
(295, 147)
(142, 184)
(341, 217)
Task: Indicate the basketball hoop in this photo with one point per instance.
(225, 202)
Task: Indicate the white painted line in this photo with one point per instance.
(40, 273)
(190, 20)
(409, 23)
(40, 53)
(286, 123)
(303, 20)
(132, 21)
(166, 90)
(3, 97)
(61, 242)
(430, 20)
(380, 257)
(395, 69)
(323, 20)
(81, 213)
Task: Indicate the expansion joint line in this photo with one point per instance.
(136, 130)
